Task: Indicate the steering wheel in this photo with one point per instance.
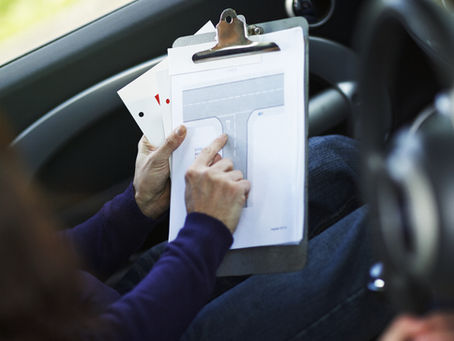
(408, 180)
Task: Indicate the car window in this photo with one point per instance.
(446, 4)
(28, 24)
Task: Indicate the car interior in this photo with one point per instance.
(78, 140)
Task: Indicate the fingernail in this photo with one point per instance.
(181, 130)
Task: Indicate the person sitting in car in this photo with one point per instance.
(46, 299)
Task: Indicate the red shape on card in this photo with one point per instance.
(168, 101)
(157, 98)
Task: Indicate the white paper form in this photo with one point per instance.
(153, 117)
(258, 101)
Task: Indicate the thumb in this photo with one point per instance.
(172, 142)
(145, 146)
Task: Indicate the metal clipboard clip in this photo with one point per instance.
(232, 40)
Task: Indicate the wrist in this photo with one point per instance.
(226, 222)
(151, 206)
(203, 219)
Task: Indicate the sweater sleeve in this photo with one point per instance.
(179, 285)
(106, 240)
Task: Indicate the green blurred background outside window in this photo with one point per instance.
(28, 24)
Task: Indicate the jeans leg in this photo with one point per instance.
(327, 300)
(333, 172)
(140, 269)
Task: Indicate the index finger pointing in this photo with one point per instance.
(208, 153)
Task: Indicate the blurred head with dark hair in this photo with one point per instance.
(39, 286)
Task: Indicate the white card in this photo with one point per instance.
(148, 99)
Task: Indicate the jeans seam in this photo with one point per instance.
(337, 308)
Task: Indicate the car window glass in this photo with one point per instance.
(446, 4)
(28, 24)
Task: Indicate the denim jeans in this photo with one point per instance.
(328, 299)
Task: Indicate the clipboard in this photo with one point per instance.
(232, 33)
